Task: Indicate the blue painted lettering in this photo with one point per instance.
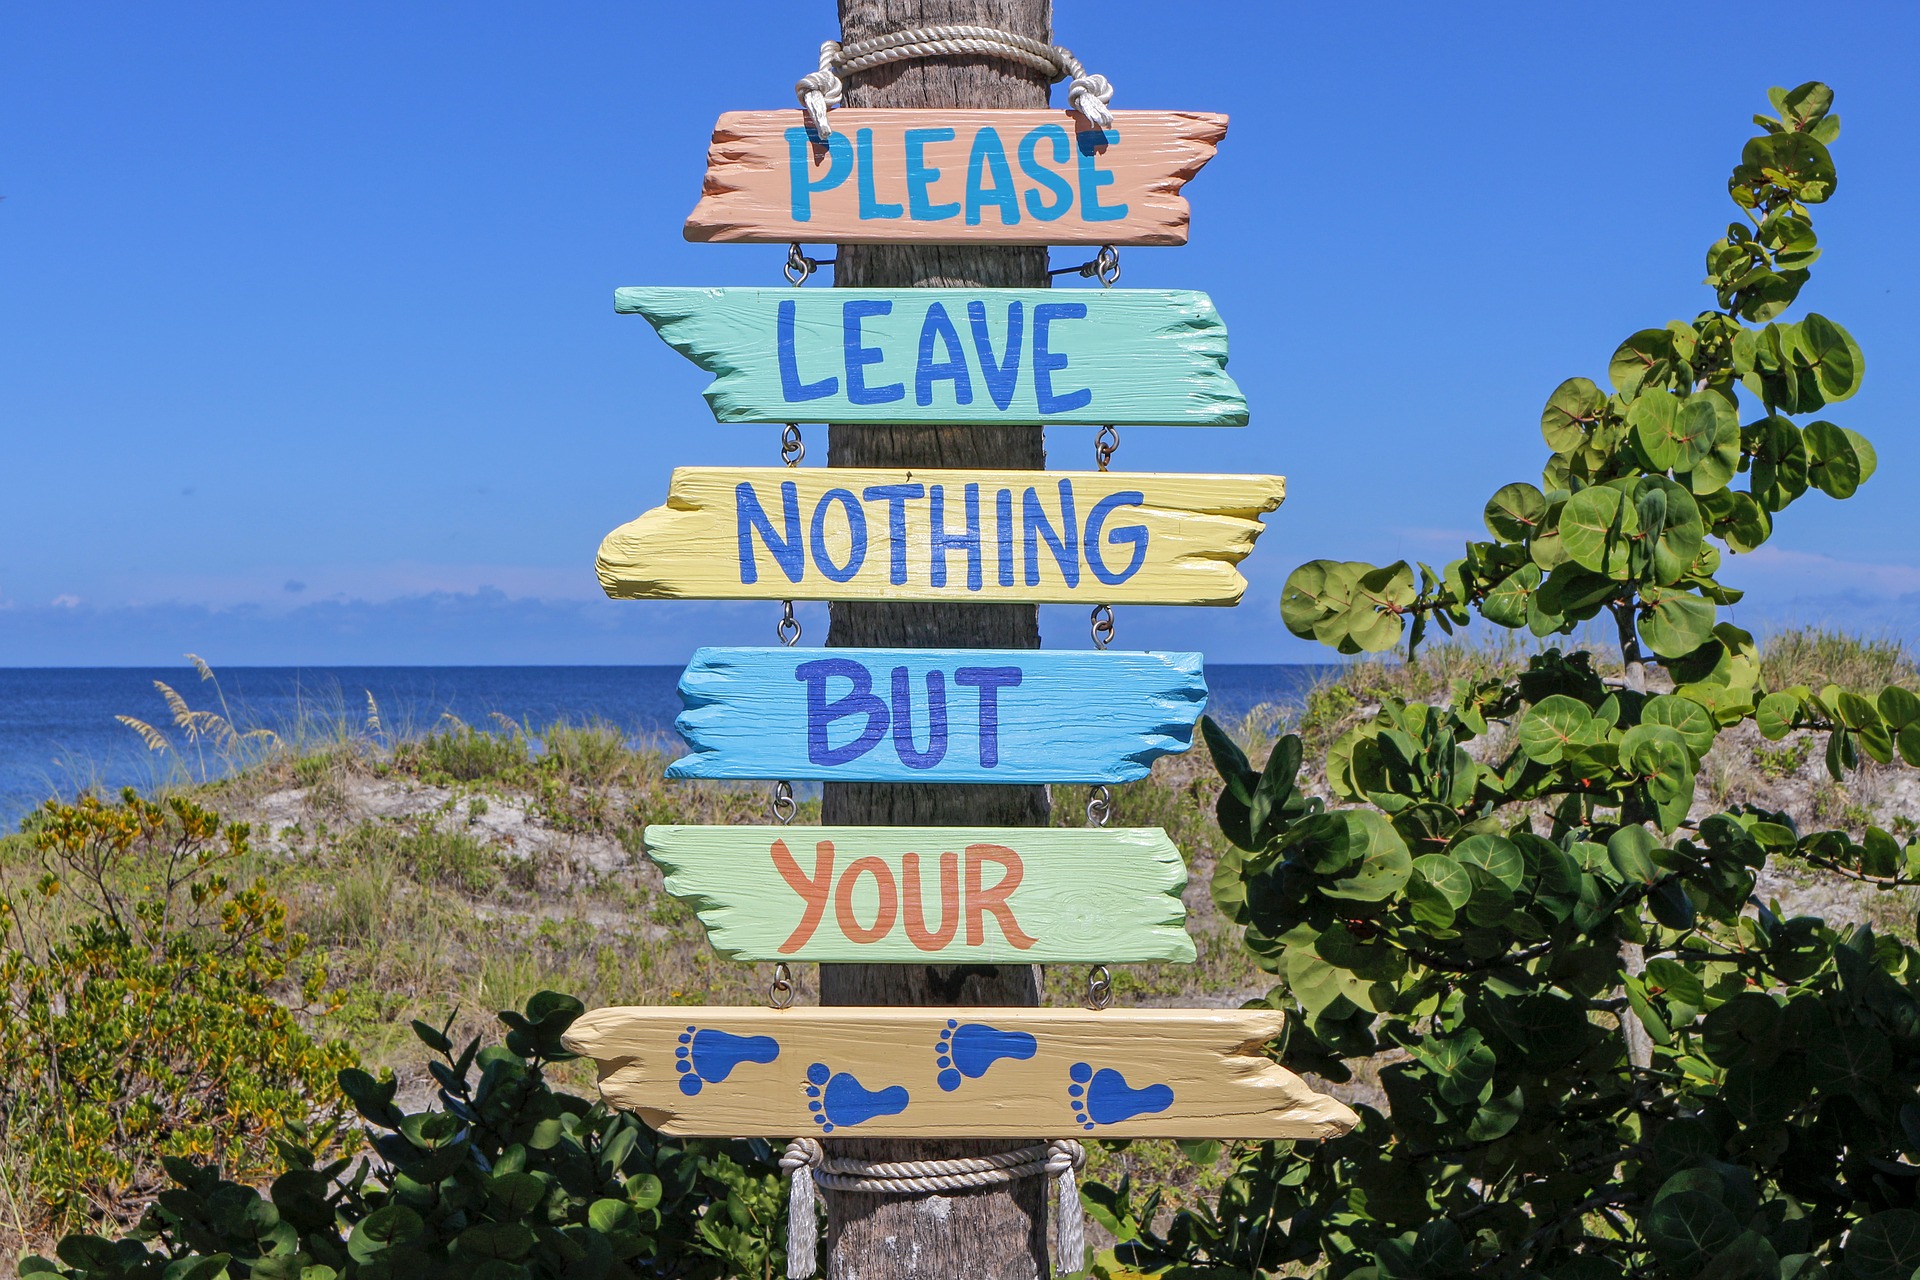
(800, 144)
(1031, 166)
(1035, 528)
(857, 535)
(870, 205)
(1046, 363)
(791, 388)
(989, 159)
(953, 369)
(896, 497)
(752, 518)
(989, 681)
(1093, 177)
(1004, 376)
(910, 755)
(921, 176)
(1003, 518)
(1133, 533)
(858, 355)
(943, 541)
(858, 700)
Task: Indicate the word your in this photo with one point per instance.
(1034, 534)
(900, 899)
(999, 377)
(902, 168)
(861, 700)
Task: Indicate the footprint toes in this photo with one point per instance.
(949, 1079)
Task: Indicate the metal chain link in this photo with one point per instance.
(792, 447)
(780, 992)
(1104, 267)
(1105, 445)
(784, 806)
(1099, 806)
(1099, 988)
(1102, 620)
(788, 628)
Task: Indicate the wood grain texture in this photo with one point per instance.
(953, 177)
(935, 715)
(995, 1234)
(1095, 356)
(777, 533)
(1141, 1073)
(918, 895)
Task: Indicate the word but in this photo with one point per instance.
(861, 700)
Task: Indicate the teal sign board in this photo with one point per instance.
(952, 356)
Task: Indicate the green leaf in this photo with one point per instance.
(1898, 707)
(1776, 715)
(1507, 604)
(1841, 459)
(1552, 725)
(383, 1229)
(1646, 353)
(1682, 533)
(1593, 528)
(1678, 623)
(1746, 1027)
(1687, 1228)
(1384, 863)
(1438, 888)
(1884, 1247)
(1854, 1061)
(1779, 462)
(1831, 353)
(1574, 406)
(1512, 514)
(1684, 716)
(1630, 850)
(1498, 856)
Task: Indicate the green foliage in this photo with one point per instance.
(503, 1178)
(147, 1007)
(1604, 1055)
(1644, 476)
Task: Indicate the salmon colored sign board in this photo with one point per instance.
(818, 533)
(953, 177)
(919, 895)
(953, 1073)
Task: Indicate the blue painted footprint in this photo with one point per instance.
(706, 1056)
(838, 1101)
(1105, 1097)
(967, 1051)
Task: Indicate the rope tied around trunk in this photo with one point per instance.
(811, 1168)
(817, 90)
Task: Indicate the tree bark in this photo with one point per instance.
(999, 1233)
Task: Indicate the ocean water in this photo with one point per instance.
(59, 735)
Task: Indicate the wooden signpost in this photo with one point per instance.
(779, 533)
(919, 895)
(961, 177)
(1096, 356)
(935, 715)
(955, 906)
(979, 1073)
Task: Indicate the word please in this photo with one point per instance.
(901, 900)
(1044, 194)
(1000, 377)
(839, 527)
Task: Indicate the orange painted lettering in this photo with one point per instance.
(917, 931)
(981, 900)
(812, 891)
(889, 900)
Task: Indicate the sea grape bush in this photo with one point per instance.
(502, 1177)
(1604, 1056)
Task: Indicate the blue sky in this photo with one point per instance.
(307, 349)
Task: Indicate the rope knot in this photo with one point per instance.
(1065, 1155)
(818, 90)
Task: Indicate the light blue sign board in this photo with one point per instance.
(935, 715)
(952, 356)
